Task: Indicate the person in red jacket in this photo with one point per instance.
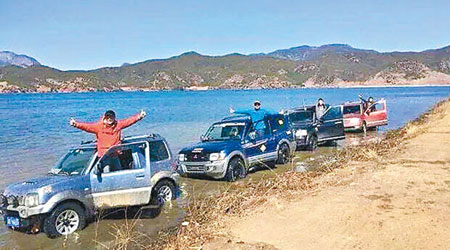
(107, 129)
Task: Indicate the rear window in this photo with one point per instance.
(306, 116)
(352, 110)
(158, 151)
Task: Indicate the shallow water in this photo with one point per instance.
(34, 133)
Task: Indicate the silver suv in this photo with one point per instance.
(139, 172)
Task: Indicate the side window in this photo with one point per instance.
(333, 113)
(124, 157)
(158, 151)
(378, 106)
(278, 123)
(260, 128)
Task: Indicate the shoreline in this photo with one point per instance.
(233, 89)
(207, 223)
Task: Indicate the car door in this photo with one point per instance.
(331, 124)
(259, 145)
(122, 177)
(378, 115)
(159, 157)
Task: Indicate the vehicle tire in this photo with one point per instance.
(235, 169)
(65, 219)
(284, 154)
(312, 143)
(364, 127)
(163, 192)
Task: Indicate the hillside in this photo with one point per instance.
(328, 65)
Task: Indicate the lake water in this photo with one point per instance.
(34, 128)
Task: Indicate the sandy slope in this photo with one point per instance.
(399, 203)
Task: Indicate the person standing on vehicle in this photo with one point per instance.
(107, 130)
(369, 104)
(320, 108)
(257, 113)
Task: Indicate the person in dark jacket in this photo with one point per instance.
(369, 104)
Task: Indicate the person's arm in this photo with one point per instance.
(362, 99)
(85, 126)
(131, 120)
(243, 111)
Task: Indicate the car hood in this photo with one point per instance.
(212, 146)
(33, 185)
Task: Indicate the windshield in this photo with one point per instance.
(303, 116)
(352, 109)
(74, 162)
(225, 131)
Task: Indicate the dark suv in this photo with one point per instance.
(309, 131)
(230, 147)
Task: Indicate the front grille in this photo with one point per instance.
(197, 157)
(195, 168)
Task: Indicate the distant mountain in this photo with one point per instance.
(303, 66)
(10, 58)
(305, 52)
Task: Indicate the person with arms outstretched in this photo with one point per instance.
(369, 104)
(257, 113)
(107, 130)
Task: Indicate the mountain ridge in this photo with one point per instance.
(302, 66)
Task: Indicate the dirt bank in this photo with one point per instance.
(400, 201)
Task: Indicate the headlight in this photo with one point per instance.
(217, 156)
(181, 157)
(32, 200)
(301, 133)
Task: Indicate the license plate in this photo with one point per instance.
(12, 221)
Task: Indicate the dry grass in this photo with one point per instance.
(202, 221)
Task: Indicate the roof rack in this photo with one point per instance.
(130, 137)
(237, 117)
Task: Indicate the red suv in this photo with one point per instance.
(359, 118)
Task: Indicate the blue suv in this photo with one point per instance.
(233, 145)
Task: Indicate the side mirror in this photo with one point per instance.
(202, 138)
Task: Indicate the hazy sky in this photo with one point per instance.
(91, 34)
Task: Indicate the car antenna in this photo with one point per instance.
(304, 106)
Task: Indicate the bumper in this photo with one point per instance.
(23, 211)
(301, 142)
(353, 128)
(214, 169)
(23, 223)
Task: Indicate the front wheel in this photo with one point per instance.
(65, 219)
(283, 154)
(235, 170)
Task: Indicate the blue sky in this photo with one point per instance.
(92, 34)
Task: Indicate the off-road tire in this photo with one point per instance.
(49, 226)
(235, 169)
(312, 143)
(284, 154)
(156, 200)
